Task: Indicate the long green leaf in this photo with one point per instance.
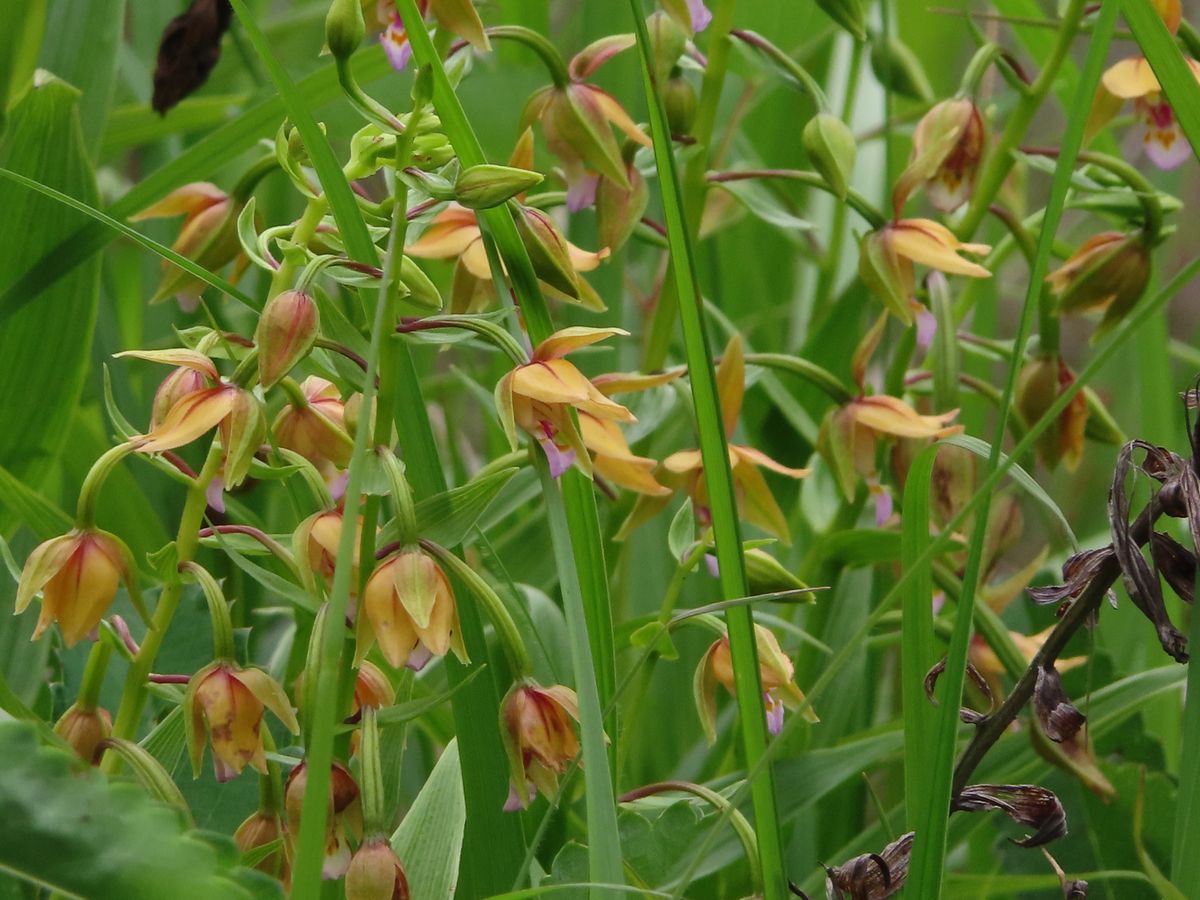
(44, 347)
(718, 478)
(429, 840)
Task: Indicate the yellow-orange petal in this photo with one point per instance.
(615, 113)
(190, 417)
(890, 415)
(1130, 78)
(758, 458)
(550, 381)
(932, 244)
(186, 199)
(566, 340)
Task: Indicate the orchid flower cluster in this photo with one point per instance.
(301, 399)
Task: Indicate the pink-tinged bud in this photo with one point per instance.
(372, 687)
(618, 211)
(947, 149)
(77, 575)
(229, 701)
(539, 737)
(376, 873)
(286, 331)
(84, 729)
(316, 430)
(343, 810)
(316, 543)
(547, 249)
(1038, 386)
(668, 40)
(257, 831)
(181, 382)
(1108, 272)
(575, 120)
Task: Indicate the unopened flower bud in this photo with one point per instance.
(286, 331)
(344, 27)
(316, 429)
(376, 873)
(767, 575)
(1038, 386)
(1108, 272)
(84, 729)
(679, 100)
(668, 40)
(174, 387)
(485, 186)
(547, 250)
(343, 804)
(257, 831)
(831, 150)
(897, 67)
(847, 13)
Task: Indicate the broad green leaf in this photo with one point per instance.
(21, 29)
(447, 518)
(45, 346)
(430, 838)
(65, 827)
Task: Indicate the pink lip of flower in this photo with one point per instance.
(1133, 79)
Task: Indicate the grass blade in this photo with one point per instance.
(931, 809)
(718, 477)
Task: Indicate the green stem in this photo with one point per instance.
(133, 696)
(251, 177)
(93, 483)
(305, 228)
(545, 50)
(370, 778)
(715, 457)
(853, 199)
(93, 675)
(218, 609)
(695, 187)
(1000, 160)
(506, 628)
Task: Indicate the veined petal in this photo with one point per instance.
(1130, 78)
(631, 473)
(932, 244)
(604, 437)
(414, 576)
(46, 561)
(758, 458)
(190, 417)
(551, 381)
(393, 628)
(601, 406)
(683, 462)
(270, 694)
(615, 113)
(188, 359)
(190, 198)
(627, 382)
(585, 63)
(450, 233)
(564, 341)
(889, 415)
(758, 504)
(731, 383)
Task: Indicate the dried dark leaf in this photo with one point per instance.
(1078, 571)
(969, 716)
(1140, 582)
(871, 876)
(1059, 718)
(1176, 563)
(188, 51)
(1025, 803)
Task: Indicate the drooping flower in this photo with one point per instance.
(228, 702)
(286, 331)
(314, 425)
(775, 671)
(611, 456)
(1039, 384)
(535, 724)
(947, 149)
(1109, 272)
(1133, 79)
(408, 607)
(344, 815)
(376, 873)
(454, 233)
(539, 396)
(577, 120)
(208, 238)
(887, 255)
(316, 540)
(457, 16)
(684, 470)
(77, 575)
